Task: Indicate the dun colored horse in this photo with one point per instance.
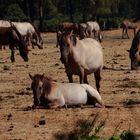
(28, 31)
(126, 24)
(47, 92)
(95, 29)
(10, 36)
(134, 53)
(81, 57)
(66, 27)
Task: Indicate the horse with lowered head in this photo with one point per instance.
(81, 57)
(95, 29)
(10, 36)
(47, 92)
(28, 31)
(134, 53)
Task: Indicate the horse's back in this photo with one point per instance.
(94, 25)
(73, 93)
(4, 23)
(89, 53)
(24, 27)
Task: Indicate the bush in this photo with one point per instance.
(113, 23)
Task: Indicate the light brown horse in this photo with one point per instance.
(95, 29)
(47, 92)
(127, 24)
(66, 27)
(81, 57)
(10, 36)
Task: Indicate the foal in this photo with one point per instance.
(47, 92)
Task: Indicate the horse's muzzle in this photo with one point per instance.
(26, 59)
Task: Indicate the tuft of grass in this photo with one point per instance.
(6, 67)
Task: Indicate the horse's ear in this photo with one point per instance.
(31, 76)
(71, 33)
(42, 77)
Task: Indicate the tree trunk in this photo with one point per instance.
(41, 15)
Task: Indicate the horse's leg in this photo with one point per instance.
(69, 75)
(57, 103)
(12, 53)
(126, 31)
(122, 33)
(85, 79)
(134, 31)
(97, 79)
(81, 76)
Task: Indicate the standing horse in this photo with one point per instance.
(47, 92)
(81, 57)
(66, 27)
(95, 29)
(134, 53)
(126, 24)
(28, 31)
(83, 30)
(10, 36)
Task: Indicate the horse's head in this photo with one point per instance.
(23, 49)
(135, 52)
(67, 40)
(37, 40)
(37, 87)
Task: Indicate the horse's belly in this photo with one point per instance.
(75, 95)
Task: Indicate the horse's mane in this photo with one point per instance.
(47, 84)
(15, 29)
(37, 31)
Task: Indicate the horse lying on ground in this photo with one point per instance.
(10, 36)
(47, 92)
(81, 57)
(126, 24)
(134, 53)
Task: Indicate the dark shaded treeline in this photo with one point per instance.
(55, 11)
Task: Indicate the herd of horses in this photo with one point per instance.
(19, 35)
(80, 53)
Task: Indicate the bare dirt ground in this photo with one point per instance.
(120, 88)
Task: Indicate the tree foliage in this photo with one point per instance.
(74, 10)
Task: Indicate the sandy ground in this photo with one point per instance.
(120, 88)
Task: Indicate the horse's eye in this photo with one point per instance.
(40, 88)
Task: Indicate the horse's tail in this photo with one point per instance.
(93, 93)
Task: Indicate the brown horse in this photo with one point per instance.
(10, 36)
(66, 27)
(126, 24)
(81, 57)
(47, 92)
(134, 53)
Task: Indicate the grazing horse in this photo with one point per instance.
(66, 27)
(81, 57)
(28, 31)
(126, 24)
(95, 29)
(134, 53)
(10, 36)
(47, 92)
